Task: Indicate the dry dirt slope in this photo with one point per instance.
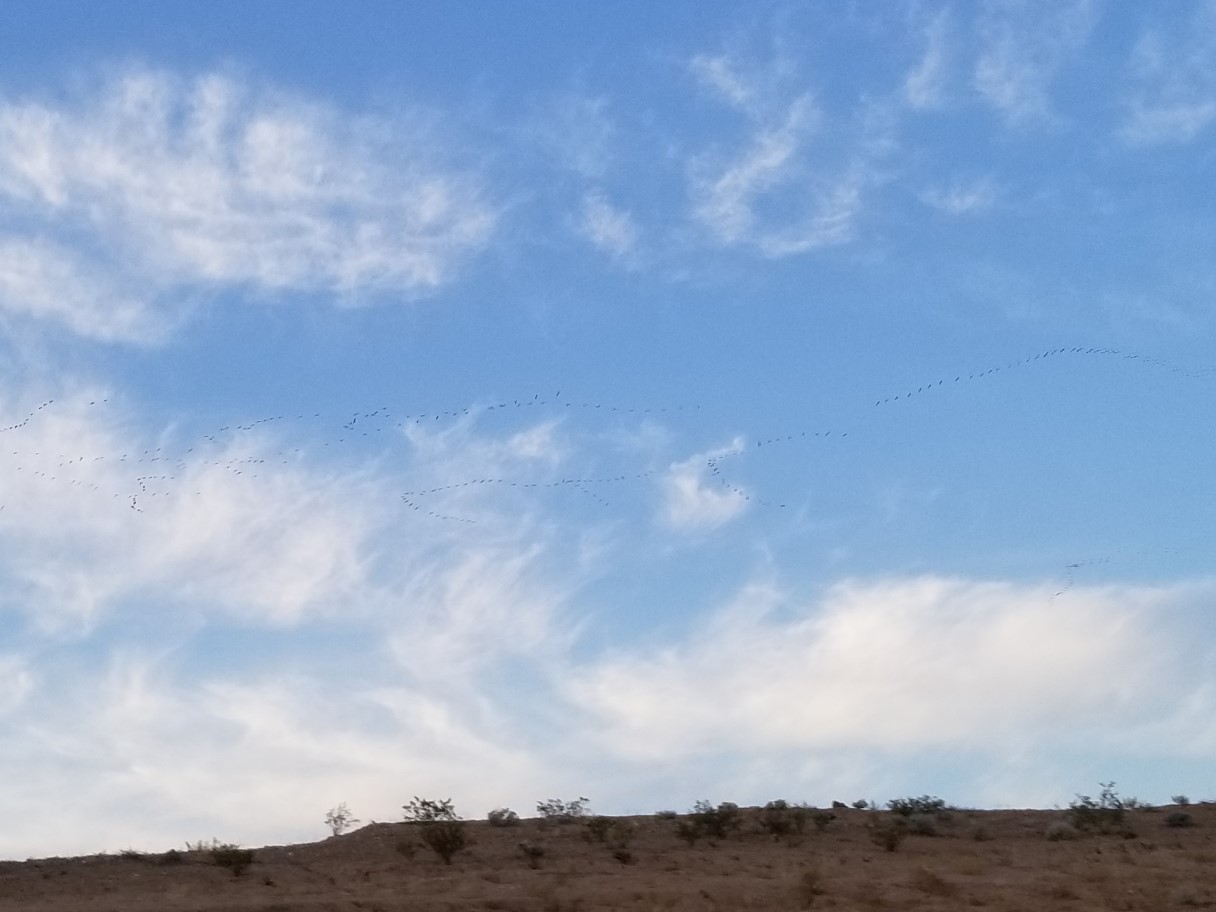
(998, 860)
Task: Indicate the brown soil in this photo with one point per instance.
(999, 860)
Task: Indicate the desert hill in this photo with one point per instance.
(783, 857)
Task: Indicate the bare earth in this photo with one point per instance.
(998, 860)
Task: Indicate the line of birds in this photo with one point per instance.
(150, 484)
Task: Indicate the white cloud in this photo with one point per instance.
(694, 499)
(796, 180)
(770, 198)
(610, 229)
(900, 665)
(1174, 79)
(962, 197)
(720, 74)
(924, 86)
(42, 280)
(99, 519)
(579, 132)
(383, 638)
(1024, 45)
(16, 682)
(172, 184)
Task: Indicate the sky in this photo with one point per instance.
(645, 402)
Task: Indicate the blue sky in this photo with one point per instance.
(647, 402)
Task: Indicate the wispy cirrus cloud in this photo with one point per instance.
(161, 184)
(962, 197)
(609, 228)
(1023, 46)
(160, 558)
(796, 180)
(1173, 98)
(925, 84)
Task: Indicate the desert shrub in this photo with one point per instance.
(599, 827)
(780, 818)
(202, 845)
(533, 852)
(690, 831)
(716, 822)
(1061, 831)
(1179, 819)
(922, 825)
(172, 857)
(861, 804)
(1180, 800)
(340, 819)
(230, 856)
(445, 838)
(925, 804)
(839, 805)
(554, 810)
(621, 833)
(442, 830)
(666, 815)
(503, 817)
(1104, 814)
(131, 855)
(423, 810)
(889, 832)
(623, 855)
(821, 819)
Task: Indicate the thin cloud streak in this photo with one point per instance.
(1024, 45)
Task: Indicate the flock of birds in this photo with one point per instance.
(157, 473)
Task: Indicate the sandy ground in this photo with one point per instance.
(997, 860)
